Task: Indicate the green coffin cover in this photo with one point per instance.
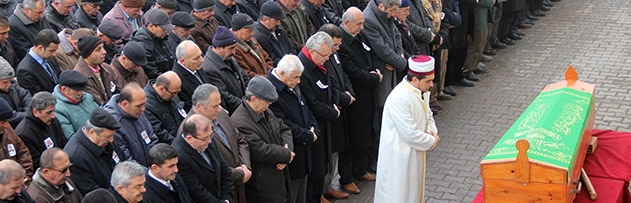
(553, 125)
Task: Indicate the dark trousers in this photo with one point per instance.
(314, 189)
(509, 20)
(351, 164)
(455, 62)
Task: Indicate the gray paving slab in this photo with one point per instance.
(593, 36)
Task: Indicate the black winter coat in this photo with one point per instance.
(58, 22)
(20, 101)
(165, 116)
(38, 136)
(206, 183)
(23, 31)
(87, 21)
(293, 110)
(189, 83)
(357, 64)
(92, 165)
(32, 76)
(231, 80)
(159, 57)
(266, 136)
(277, 47)
(320, 92)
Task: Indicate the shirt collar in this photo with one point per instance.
(164, 182)
(37, 58)
(192, 72)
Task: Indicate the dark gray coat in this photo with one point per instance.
(231, 80)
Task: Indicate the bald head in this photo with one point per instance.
(353, 20)
(167, 85)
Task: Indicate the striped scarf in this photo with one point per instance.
(434, 9)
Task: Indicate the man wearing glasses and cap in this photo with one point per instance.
(51, 182)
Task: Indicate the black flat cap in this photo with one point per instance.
(169, 4)
(135, 52)
(262, 88)
(183, 19)
(103, 119)
(240, 20)
(73, 79)
(97, 2)
(273, 10)
(111, 30)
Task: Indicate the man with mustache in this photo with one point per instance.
(74, 106)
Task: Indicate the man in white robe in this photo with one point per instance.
(408, 131)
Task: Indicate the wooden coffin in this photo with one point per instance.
(552, 135)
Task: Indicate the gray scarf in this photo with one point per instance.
(54, 192)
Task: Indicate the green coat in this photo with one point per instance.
(73, 116)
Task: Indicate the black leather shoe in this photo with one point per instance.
(490, 52)
(444, 97)
(498, 45)
(545, 8)
(555, 0)
(529, 22)
(548, 3)
(466, 83)
(449, 90)
(472, 76)
(520, 33)
(485, 58)
(524, 26)
(481, 69)
(531, 17)
(514, 36)
(538, 13)
(507, 41)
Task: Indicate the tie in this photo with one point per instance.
(222, 135)
(50, 71)
(203, 153)
(170, 186)
(199, 78)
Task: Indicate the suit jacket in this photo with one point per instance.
(159, 193)
(33, 77)
(206, 183)
(235, 152)
(231, 80)
(189, 83)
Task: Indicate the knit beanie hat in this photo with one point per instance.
(6, 70)
(404, 3)
(224, 37)
(87, 44)
(6, 111)
(133, 3)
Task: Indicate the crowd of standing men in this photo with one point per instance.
(228, 100)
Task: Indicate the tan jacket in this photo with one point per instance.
(252, 58)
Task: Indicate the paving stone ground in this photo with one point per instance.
(592, 35)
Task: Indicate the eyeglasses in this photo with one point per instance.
(172, 93)
(92, 5)
(63, 170)
(205, 139)
(321, 53)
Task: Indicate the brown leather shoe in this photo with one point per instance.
(372, 176)
(336, 194)
(324, 200)
(351, 188)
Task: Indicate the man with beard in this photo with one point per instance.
(74, 106)
(270, 35)
(249, 53)
(205, 24)
(128, 182)
(188, 68)
(88, 14)
(40, 130)
(183, 23)
(18, 98)
(39, 69)
(12, 180)
(52, 180)
(224, 71)
(100, 79)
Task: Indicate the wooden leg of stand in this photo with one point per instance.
(588, 185)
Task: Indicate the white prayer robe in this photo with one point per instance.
(407, 121)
